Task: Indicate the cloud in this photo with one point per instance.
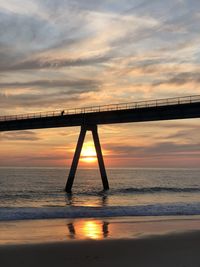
(40, 102)
(78, 85)
(180, 79)
(25, 33)
(44, 63)
(45, 93)
(186, 134)
(161, 149)
(19, 136)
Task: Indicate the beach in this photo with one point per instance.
(128, 242)
(150, 218)
(170, 250)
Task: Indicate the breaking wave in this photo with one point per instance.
(9, 214)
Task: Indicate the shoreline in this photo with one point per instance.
(59, 230)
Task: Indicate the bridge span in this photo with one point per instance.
(88, 118)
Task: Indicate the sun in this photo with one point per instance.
(88, 153)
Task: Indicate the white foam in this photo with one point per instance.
(8, 214)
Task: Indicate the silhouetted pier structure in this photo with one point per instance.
(88, 118)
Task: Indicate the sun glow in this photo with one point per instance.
(88, 153)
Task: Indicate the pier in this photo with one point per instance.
(88, 119)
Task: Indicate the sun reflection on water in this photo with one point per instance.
(92, 229)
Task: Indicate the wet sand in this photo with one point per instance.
(170, 242)
(180, 250)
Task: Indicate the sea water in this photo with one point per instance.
(38, 193)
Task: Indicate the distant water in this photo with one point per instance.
(34, 193)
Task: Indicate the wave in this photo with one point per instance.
(161, 190)
(140, 190)
(10, 214)
(92, 192)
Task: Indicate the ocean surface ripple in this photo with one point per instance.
(38, 193)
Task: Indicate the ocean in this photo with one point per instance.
(38, 193)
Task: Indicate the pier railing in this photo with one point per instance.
(102, 108)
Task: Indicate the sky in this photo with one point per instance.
(57, 54)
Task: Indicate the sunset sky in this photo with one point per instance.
(57, 54)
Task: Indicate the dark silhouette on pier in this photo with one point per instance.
(89, 118)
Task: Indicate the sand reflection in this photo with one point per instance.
(88, 229)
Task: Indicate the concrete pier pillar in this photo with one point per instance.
(84, 129)
(100, 158)
(75, 161)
